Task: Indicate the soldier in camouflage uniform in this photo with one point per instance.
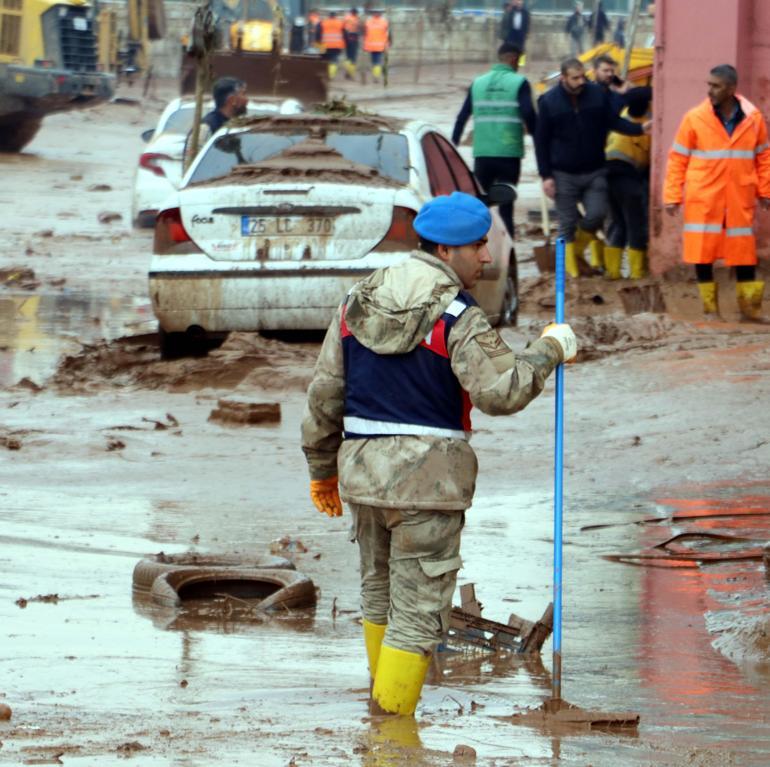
(388, 414)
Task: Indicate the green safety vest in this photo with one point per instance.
(497, 128)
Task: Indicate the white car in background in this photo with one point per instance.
(277, 219)
(160, 165)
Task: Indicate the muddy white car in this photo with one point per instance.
(160, 167)
(277, 219)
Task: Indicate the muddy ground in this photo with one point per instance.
(110, 455)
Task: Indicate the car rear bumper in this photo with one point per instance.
(248, 301)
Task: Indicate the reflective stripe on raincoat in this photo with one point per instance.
(719, 178)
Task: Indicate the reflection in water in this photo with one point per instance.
(677, 660)
(35, 330)
(210, 616)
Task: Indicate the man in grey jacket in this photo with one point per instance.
(387, 423)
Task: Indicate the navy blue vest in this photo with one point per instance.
(413, 393)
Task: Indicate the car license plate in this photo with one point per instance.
(287, 226)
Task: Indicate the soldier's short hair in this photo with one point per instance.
(223, 87)
(725, 72)
(508, 49)
(428, 246)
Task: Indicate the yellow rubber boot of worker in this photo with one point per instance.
(376, 72)
(399, 680)
(709, 297)
(750, 301)
(373, 634)
(596, 249)
(333, 71)
(571, 260)
(637, 262)
(582, 238)
(350, 70)
(613, 258)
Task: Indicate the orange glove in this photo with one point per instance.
(326, 496)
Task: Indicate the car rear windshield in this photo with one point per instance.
(387, 153)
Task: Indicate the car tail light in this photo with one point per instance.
(147, 161)
(401, 235)
(171, 237)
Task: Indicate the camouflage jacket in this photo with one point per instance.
(391, 312)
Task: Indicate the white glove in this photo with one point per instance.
(564, 334)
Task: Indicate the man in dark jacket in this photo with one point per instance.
(573, 121)
(514, 27)
(501, 103)
(599, 23)
(230, 100)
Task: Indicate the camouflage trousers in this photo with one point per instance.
(409, 564)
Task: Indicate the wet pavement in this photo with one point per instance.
(102, 468)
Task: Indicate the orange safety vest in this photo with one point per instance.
(331, 34)
(719, 177)
(352, 24)
(376, 34)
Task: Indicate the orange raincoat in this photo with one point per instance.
(719, 177)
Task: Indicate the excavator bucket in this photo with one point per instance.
(266, 74)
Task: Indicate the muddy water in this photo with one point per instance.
(36, 329)
(265, 691)
(109, 464)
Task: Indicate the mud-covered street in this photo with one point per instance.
(110, 455)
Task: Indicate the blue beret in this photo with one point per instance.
(457, 219)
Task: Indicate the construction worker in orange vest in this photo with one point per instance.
(718, 167)
(377, 40)
(331, 38)
(351, 27)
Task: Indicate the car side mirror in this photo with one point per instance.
(147, 134)
(499, 194)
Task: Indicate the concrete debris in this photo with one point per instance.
(108, 216)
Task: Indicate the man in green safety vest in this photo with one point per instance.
(501, 104)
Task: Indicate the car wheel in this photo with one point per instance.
(509, 311)
(173, 346)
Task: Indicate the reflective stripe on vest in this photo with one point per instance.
(415, 393)
(739, 231)
(719, 154)
(497, 130)
(703, 228)
(354, 425)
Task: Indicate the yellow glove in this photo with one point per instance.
(564, 335)
(326, 496)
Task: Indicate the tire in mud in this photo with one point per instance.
(147, 570)
(13, 138)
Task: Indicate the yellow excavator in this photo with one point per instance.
(48, 63)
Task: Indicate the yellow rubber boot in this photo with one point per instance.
(373, 634)
(399, 680)
(333, 71)
(710, 298)
(571, 260)
(596, 249)
(376, 72)
(582, 238)
(350, 70)
(750, 301)
(613, 258)
(637, 262)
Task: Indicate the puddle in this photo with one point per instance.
(35, 330)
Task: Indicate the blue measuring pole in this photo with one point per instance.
(558, 484)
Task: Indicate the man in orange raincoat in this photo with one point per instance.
(718, 167)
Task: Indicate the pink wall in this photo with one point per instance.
(692, 36)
